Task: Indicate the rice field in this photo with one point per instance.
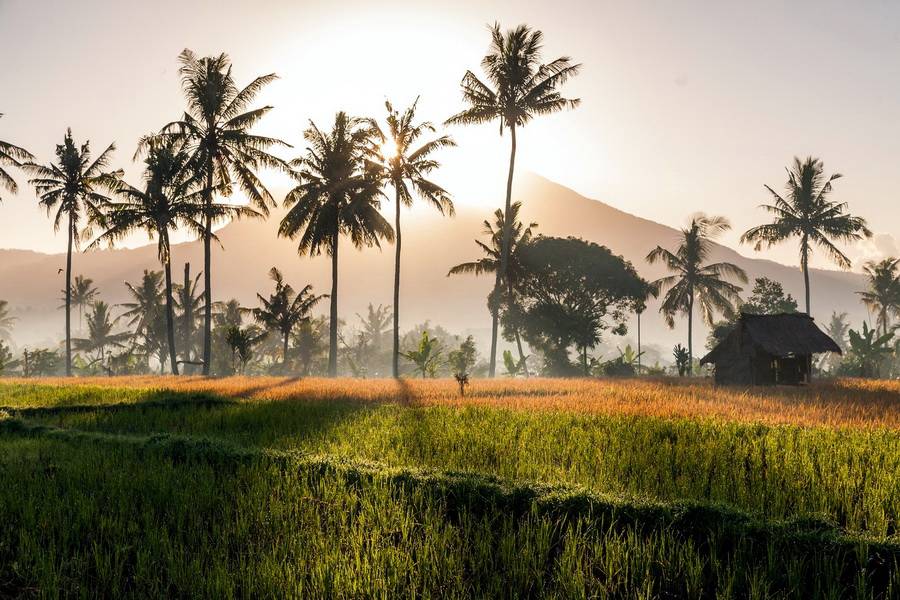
(268, 487)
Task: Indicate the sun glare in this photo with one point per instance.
(389, 149)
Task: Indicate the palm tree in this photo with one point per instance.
(83, 295)
(11, 156)
(242, 341)
(883, 295)
(519, 88)
(215, 129)
(143, 312)
(520, 237)
(335, 196)
(170, 198)
(6, 321)
(189, 302)
(807, 212)
(284, 309)
(100, 333)
(405, 163)
(695, 281)
(73, 187)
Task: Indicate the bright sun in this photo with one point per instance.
(388, 149)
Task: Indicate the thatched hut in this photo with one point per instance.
(769, 350)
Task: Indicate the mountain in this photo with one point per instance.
(432, 244)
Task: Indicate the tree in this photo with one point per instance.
(569, 288)
(6, 321)
(73, 185)
(868, 350)
(519, 87)
(284, 309)
(520, 236)
(242, 341)
(376, 324)
(100, 333)
(189, 303)
(682, 360)
(215, 130)
(883, 295)
(695, 281)
(335, 196)
(143, 313)
(170, 199)
(83, 295)
(806, 212)
(11, 156)
(6, 359)
(427, 357)
(404, 162)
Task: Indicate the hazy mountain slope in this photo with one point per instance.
(31, 282)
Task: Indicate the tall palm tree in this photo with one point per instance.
(83, 295)
(335, 196)
(694, 280)
(284, 309)
(519, 88)
(883, 295)
(73, 185)
(6, 321)
(806, 211)
(170, 199)
(100, 333)
(215, 129)
(405, 163)
(11, 156)
(490, 262)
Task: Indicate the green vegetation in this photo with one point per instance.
(143, 489)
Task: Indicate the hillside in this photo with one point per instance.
(31, 282)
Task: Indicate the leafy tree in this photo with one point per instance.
(376, 324)
(405, 162)
(570, 287)
(427, 357)
(624, 365)
(41, 362)
(869, 350)
(463, 358)
(682, 360)
(11, 156)
(216, 130)
(242, 340)
(521, 235)
(6, 321)
(284, 309)
(693, 280)
(512, 366)
(73, 186)
(83, 295)
(6, 358)
(807, 212)
(309, 345)
(335, 196)
(101, 334)
(883, 295)
(519, 87)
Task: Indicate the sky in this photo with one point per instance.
(686, 106)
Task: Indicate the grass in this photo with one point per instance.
(274, 487)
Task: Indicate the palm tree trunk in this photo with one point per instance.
(504, 251)
(170, 311)
(69, 295)
(639, 343)
(690, 368)
(495, 319)
(395, 359)
(332, 326)
(207, 275)
(804, 264)
(522, 361)
(284, 351)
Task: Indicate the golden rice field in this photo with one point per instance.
(540, 488)
(853, 403)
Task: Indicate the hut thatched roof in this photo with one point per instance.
(779, 335)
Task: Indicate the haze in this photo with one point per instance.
(688, 106)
